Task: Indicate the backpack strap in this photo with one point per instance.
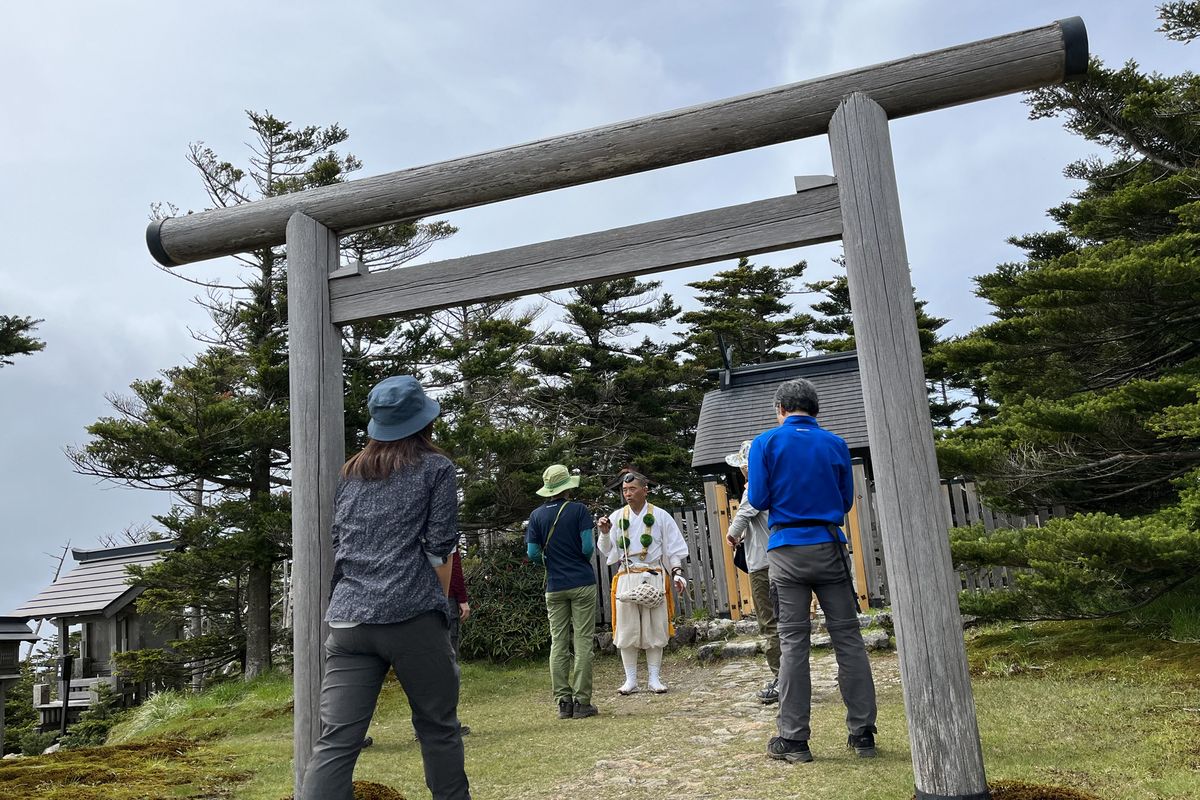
(553, 525)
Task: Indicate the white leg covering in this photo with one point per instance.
(629, 656)
(653, 664)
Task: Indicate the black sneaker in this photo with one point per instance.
(585, 710)
(769, 693)
(863, 742)
(566, 709)
(366, 742)
(789, 750)
(463, 730)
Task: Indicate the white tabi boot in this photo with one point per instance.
(653, 665)
(629, 657)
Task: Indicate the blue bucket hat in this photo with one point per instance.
(399, 408)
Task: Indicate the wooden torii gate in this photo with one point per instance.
(860, 206)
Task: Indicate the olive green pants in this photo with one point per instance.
(572, 615)
(764, 610)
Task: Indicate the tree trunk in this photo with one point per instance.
(258, 621)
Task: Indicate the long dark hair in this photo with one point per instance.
(379, 459)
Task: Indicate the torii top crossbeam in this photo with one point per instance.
(1003, 65)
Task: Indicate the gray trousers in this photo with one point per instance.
(797, 572)
(358, 660)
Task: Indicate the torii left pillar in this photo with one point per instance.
(318, 451)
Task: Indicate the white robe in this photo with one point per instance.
(634, 625)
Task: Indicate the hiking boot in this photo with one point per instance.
(769, 693)
(566, 709)
(585, 710)
(789, 750)
(863, 742)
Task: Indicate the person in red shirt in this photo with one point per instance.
(460, 609)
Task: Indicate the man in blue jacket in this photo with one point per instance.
(800, 473)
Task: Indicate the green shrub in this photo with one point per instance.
(95, 723)
(158, 668)
(508, 605)
(1088, 565)
(19, 714)
(33, 743)
(1174, 616)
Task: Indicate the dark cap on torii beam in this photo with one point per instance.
(1075, 47)
(155, 246)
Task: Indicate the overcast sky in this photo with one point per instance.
(101, 100)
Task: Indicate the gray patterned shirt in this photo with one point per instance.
(383, 534)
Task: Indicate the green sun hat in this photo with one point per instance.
(557, 478)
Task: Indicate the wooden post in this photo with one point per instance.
(946, 755)
(715, 500)
(745, 597)
(722, 556)
(725, 512)
(318, 451)
(858, 559)
(864, 503)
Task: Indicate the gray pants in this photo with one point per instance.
(357, 662)
(796, 573)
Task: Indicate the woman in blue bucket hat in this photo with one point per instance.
(395, 526)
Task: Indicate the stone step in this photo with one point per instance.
(697, 632)
(711, 630)
(873, 638)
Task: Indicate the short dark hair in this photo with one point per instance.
(798, 395)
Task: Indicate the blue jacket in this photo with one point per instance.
(800, 473)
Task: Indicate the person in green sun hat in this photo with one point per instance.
(559, 535)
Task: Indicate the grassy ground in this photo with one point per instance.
(1093, 706)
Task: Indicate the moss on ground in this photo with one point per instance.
(368, 790)
(1046, 694)
(155, 768)
(1106, 648)
(1018, 790)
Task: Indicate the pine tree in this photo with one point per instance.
(15, 338)
(612, 400)
(220, 425)
(483, 382)
(748, 306)
(1094, 357)
(945, 386)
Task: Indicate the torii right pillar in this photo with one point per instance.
(946, 755)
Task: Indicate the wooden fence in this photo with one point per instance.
(717, 589)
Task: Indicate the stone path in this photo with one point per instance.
(714, 728)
